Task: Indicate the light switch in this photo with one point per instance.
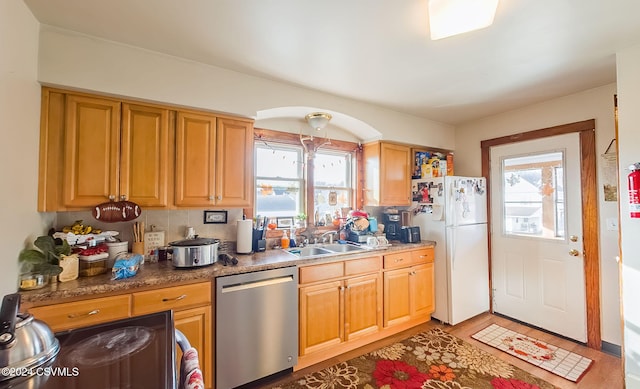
(612, 224)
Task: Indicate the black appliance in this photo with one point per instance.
(391, 225)
(410, 234)
(119, 354)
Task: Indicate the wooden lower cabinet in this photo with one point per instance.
(321, 316)
(362, 308)
(196, 325)
(192, 313)
(408, 294)
(349, 304)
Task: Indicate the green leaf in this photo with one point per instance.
(48, 269)
(46, 244)
(31, 256)
(63, 249)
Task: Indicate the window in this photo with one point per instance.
(533, 193)
(279, 180)
(332, 184)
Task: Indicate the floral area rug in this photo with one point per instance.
(428, 360)
(557, 360)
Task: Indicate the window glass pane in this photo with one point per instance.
(278, 198)
(278, 162)
(331, 170)
(533, 193)
(332, 185)
(330, 202)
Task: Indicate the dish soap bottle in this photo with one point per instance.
(284, 242)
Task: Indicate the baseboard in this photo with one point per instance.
(612, 349)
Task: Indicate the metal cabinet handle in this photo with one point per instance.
(182, 297)
(574, 253)
(86, 314)
(123, 197)
(219, 197)
(211, 198)
(111, 197)
(399, 260)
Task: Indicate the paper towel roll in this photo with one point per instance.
(244, 242)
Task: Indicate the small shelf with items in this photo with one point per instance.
(431, 162)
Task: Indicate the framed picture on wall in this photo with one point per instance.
(215, 217)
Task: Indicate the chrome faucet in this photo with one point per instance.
(330, 233)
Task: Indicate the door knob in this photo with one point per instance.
(574, 253)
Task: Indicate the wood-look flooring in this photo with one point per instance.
(606, 370)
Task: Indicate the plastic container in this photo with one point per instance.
(93, 265)
(284, 242)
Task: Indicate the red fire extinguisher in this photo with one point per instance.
(634, 190)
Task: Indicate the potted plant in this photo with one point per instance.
(45, 257)
(302, 220)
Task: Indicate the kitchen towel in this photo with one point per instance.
(244, 237)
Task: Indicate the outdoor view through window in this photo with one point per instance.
(533, 192)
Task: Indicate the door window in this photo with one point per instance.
(533, 193)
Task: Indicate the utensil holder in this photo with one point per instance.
(138, 248)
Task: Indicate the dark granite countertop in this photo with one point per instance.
(163, 274)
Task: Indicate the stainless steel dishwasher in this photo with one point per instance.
(256, 325)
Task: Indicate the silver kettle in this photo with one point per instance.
(25, 343)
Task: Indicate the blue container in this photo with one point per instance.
(373, 224)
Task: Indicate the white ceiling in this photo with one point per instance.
(378, 51)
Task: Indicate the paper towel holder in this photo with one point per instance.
(215, 217)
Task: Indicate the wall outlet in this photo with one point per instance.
(612, 224)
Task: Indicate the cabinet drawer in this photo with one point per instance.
(83, 313)
(362, 266)
(171, 298)
(394, 261)
(321, 272)
(422, 256)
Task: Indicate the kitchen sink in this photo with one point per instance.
(342, 248)
(323, 250)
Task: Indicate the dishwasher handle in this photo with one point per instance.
(256, 284)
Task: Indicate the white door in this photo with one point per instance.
(536, 234)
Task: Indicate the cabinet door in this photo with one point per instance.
(195, 324)
(321, 317)
(234, 163)
(363, 306)
(195, 152)
(91, 150)
(145, 163)
(395, 177)
(422, 290)
(397, 306)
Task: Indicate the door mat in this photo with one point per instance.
(559, 361)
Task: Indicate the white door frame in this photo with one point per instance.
(591, 251)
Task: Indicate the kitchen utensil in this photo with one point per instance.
(25, 344)
(194, 252)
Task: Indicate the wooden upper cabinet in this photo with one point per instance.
(214, 161)
(195, 153)
(234, 163)
(387, 174)
(91, 150)
(146, 159)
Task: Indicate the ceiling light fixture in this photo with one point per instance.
(453, 17)
(318, 120)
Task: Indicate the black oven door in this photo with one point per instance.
(137, 352)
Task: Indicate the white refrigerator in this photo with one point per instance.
(452, 211)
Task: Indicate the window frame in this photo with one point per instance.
(273, 137)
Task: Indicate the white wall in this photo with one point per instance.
(20, 128)
(79, 61)
(591, 104)
(628, 63)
